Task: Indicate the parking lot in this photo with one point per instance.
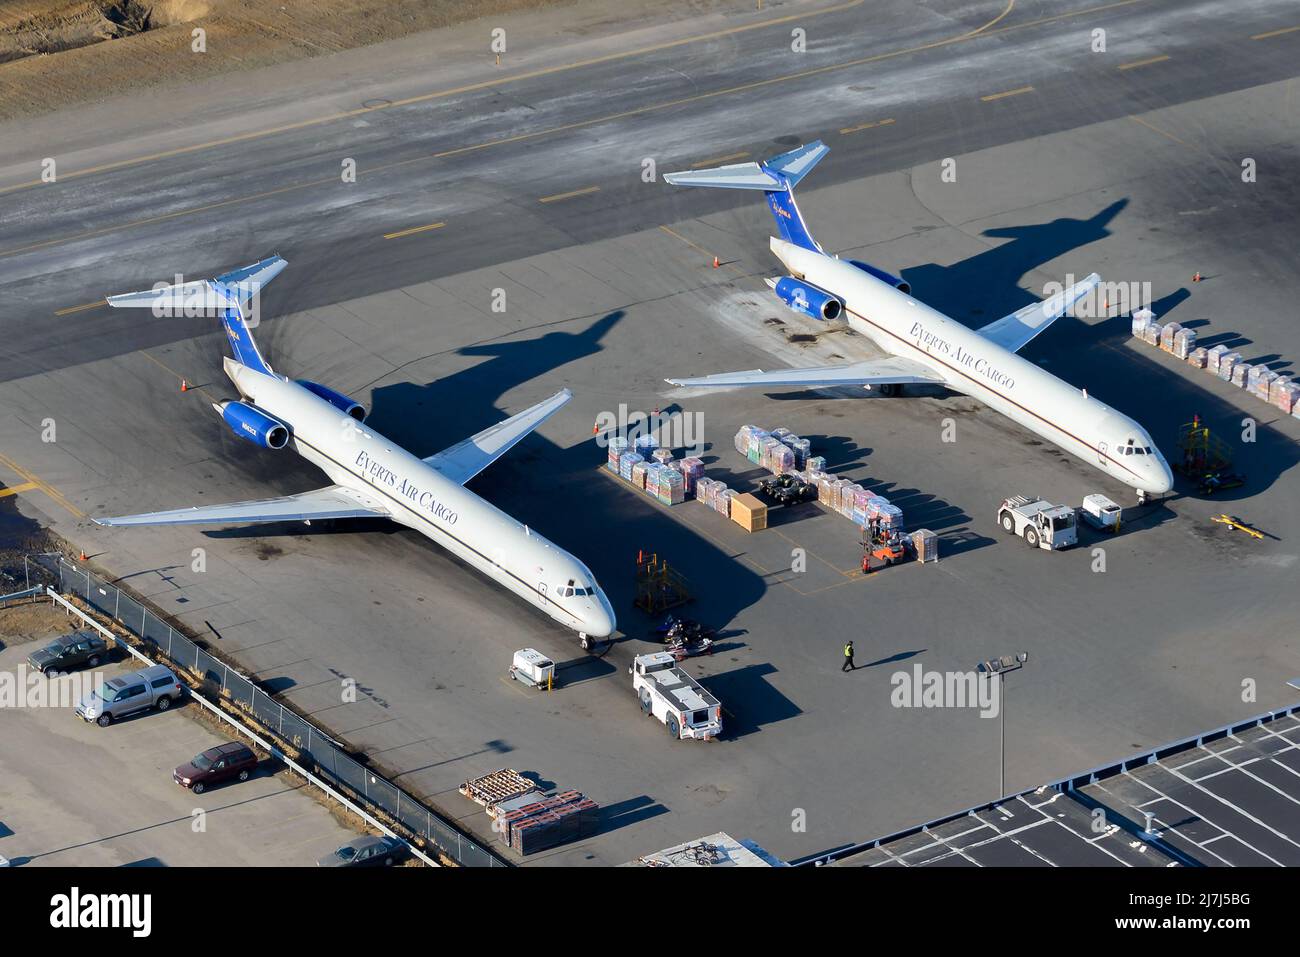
(73, 793)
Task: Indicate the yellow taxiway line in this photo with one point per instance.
(413, 230)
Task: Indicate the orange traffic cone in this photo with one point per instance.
(1196, 277)
(595, 428)
(185, 386)
(83, 555)
(716, 264)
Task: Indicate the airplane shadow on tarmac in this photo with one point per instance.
(551, 487)
(1145, 384)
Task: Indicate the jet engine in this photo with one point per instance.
(902, 285)
(811, 300)
(251, 423)
(340, 401)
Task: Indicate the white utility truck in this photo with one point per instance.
(674, 697)
(1101, 513)
(1038, 522)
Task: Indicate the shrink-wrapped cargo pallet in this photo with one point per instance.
(722, 501)
(926, 545)
(1227, 364)
(672, 488)
(802, 449)
(1284, 393)
(1184, 342)
(1140, 320)
(1213, 356)
(639, 470)
(627, 462)
(782, 460)
(1198, 357)
(1240, 372)
(662, 456)
(780, 433)
(692, 472)
(1151, 333)
(890, 517)
(645, 444)
(1259, 380)
(617, 446)
(816, 463)
(1168, 333)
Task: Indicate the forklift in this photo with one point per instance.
(884, 545)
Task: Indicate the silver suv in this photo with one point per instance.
(152, 687)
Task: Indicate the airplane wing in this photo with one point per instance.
(887, 371)
(334, 501)
(462, 461)
(1014, 332)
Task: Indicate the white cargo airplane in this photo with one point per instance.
(925, 346)
(375, 476)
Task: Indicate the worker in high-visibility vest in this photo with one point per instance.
(848, 657)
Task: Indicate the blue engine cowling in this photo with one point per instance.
(809, 299)
(902, 285)
(340, 401)
(251, 423)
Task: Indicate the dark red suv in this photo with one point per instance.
(223, 763)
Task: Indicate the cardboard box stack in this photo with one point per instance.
(926, 545)
(1141, 319)
(749, 512)
(1198, 357)
(1240, 372)
(671, 488)
(1184, 343)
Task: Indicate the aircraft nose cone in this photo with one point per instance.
(600, 619)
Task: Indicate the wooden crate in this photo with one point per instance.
(749, 512)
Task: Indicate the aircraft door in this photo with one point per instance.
(1101, 454)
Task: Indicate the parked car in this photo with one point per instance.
(225, 762)
(69, 651)
(152, 687)
(368, 851)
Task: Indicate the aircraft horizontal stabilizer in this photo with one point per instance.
(334, 501)
(201, 295)
(462, 461)
(889, 371)
(1015, 331)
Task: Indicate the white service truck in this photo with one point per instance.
(1040, 523)
(668, 693)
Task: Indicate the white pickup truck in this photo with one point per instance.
(668, 693)
(1040, 523)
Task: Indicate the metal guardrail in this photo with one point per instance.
(1065, 785)
(328, 760)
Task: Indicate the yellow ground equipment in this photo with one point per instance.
(1201, 452)
(658, 587)
(1238, 524)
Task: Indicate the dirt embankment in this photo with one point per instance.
(55, 53)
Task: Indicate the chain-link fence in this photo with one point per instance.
(328, 759)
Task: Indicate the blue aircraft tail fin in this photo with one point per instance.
(227, 294)
(776, 177)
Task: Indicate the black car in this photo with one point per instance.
(69, 651)
(369, 851)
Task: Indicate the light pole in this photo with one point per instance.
(999, 668)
